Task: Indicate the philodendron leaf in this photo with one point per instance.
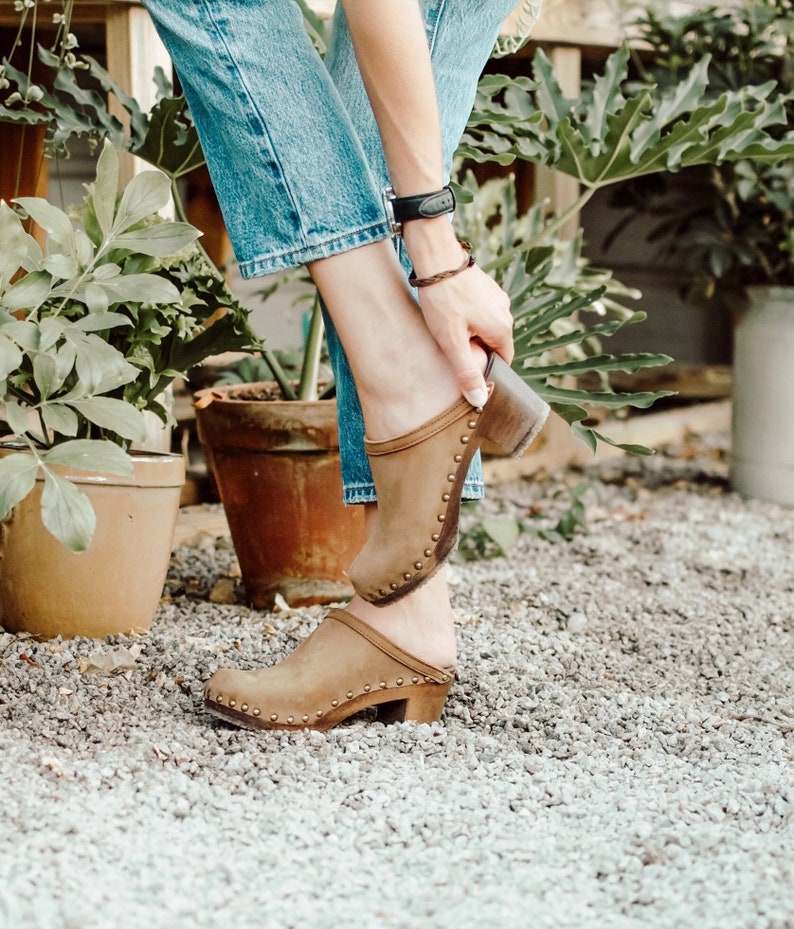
(90, 455)
(115, 415)
(17, 478)
(66, 512)
(171, 143)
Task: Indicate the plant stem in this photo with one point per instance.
(307, 388)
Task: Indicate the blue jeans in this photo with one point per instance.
(293, 148)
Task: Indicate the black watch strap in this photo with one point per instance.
(423, 206)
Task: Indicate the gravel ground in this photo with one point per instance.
(617, 751)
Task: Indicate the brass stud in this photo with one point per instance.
(445, 498)
(407, 576)
(219, 698)
(459, 458)
(444, 679)
(383, 684)
(382, 593)
(414, 680)
(256, 711)
(464, 439)
(334, 703)
(428, 552)
(472, 423)
(435, 537)
(441, 517)
(244, 707)
(393, 586)
(399, 682)
(232, 703)
(367, 688)
(349, 695)
(273, 717)
(427, 679)
(319, 713)
(290, 719)
(450, 478)
(305, 719)
(418, 565)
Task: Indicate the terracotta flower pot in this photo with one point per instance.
(276, 464)
(116, 584)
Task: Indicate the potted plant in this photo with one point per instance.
(733, 234)
(93, 328)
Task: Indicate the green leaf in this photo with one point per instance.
(115, 415)
(160, 241)
(502, 530)
(10, 357)
(45, 374)
(29, 292)
(627, 362)
(17, 478)
(49, 217)
(66, 512)
(98, 322)
(104, 190)
(171, 142)
(145, 194)
(16, 417)
(18, 247)
(90, 455)
(136, 288)
(59, 418)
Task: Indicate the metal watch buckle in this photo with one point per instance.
(388, 203)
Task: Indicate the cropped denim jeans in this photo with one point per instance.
(293, 148)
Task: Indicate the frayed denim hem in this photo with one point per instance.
(365, 493)
(269, 264)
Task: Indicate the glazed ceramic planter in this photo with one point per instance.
(276, 464)
(112, 587)
(762, 457)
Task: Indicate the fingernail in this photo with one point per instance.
(478, 397)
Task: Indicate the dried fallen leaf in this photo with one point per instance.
(29, 660)
(223, 591)
(113, 661)
(280, 605)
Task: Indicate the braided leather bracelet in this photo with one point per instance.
(415, 281)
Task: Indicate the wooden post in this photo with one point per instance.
(134, 50)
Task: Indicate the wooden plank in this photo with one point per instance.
(196, 523)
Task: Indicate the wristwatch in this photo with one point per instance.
(421, 206)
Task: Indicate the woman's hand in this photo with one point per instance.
(462, 311)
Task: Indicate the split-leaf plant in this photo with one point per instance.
(612, 132)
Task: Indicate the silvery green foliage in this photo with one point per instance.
(614, 132)
(563, 307)
(92, 329)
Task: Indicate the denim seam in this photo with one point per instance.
(354, 238)
(439, 14)
(254, 109)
